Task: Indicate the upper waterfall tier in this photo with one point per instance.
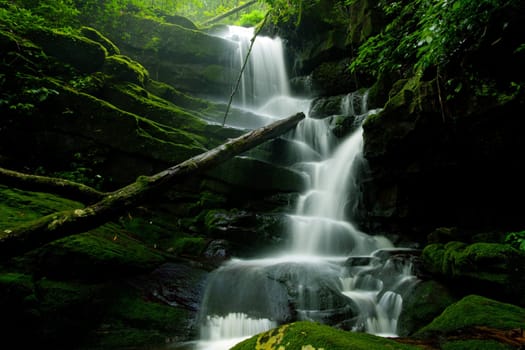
(265, 74)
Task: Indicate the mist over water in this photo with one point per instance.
(328, 271)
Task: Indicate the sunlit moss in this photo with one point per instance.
(309, 335)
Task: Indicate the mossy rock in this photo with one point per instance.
(47, 312)
(496, 269)
(167, 40)
(333, 78)
(189, 60)
(426, 301)
(71, 122)
(124, 68)
(134, 98)
(84, 316)
(314, 336)
(179, 20)
(169, 93)
(132, 321)
(104, 253)
(95, 35)
(474, 311)
(82, 53)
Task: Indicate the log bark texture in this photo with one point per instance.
(62, 187)
(20, 239)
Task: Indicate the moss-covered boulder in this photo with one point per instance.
(82, 53)
(123, 68)
(187, 59)
(48, 312)
(112, 287)
(71, 122)
(95, 35)
(490, 269)
(314, 336)
(132, 319)
(476, 322)
(426, 301)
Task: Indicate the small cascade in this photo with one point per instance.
(320, 224)
(226, 331)
(328, 271)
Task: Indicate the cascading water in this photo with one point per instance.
(330, 271)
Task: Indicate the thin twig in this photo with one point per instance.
(439, 96)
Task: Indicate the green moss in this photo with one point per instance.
(95, 35)
(172, 119)
(425, 302)
(475, 344)
(98, 119)
(475, 310)
(107, 252)
(491, 262)
(132, 321)
(82, 53)
(314, 336)
(189, 245)
(16, 283)
(174, 96)
(17, 206)
(214, 73)
(125, 69)
(176, 43)
(59, 295)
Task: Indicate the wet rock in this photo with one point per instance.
(217, 250)
(257, 175)
(176, 284)
(361, 261)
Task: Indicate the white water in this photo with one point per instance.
(329, 269)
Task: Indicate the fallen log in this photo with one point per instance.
(62, 187)
(20, 239)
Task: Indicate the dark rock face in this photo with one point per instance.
(427, 170)
(175, 284)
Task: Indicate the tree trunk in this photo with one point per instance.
(29, 236)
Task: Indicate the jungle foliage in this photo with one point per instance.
(69, 13)
(429, 33)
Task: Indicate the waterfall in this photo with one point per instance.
(329, 271)
(265, 74)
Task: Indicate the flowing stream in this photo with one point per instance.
(328, 271)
